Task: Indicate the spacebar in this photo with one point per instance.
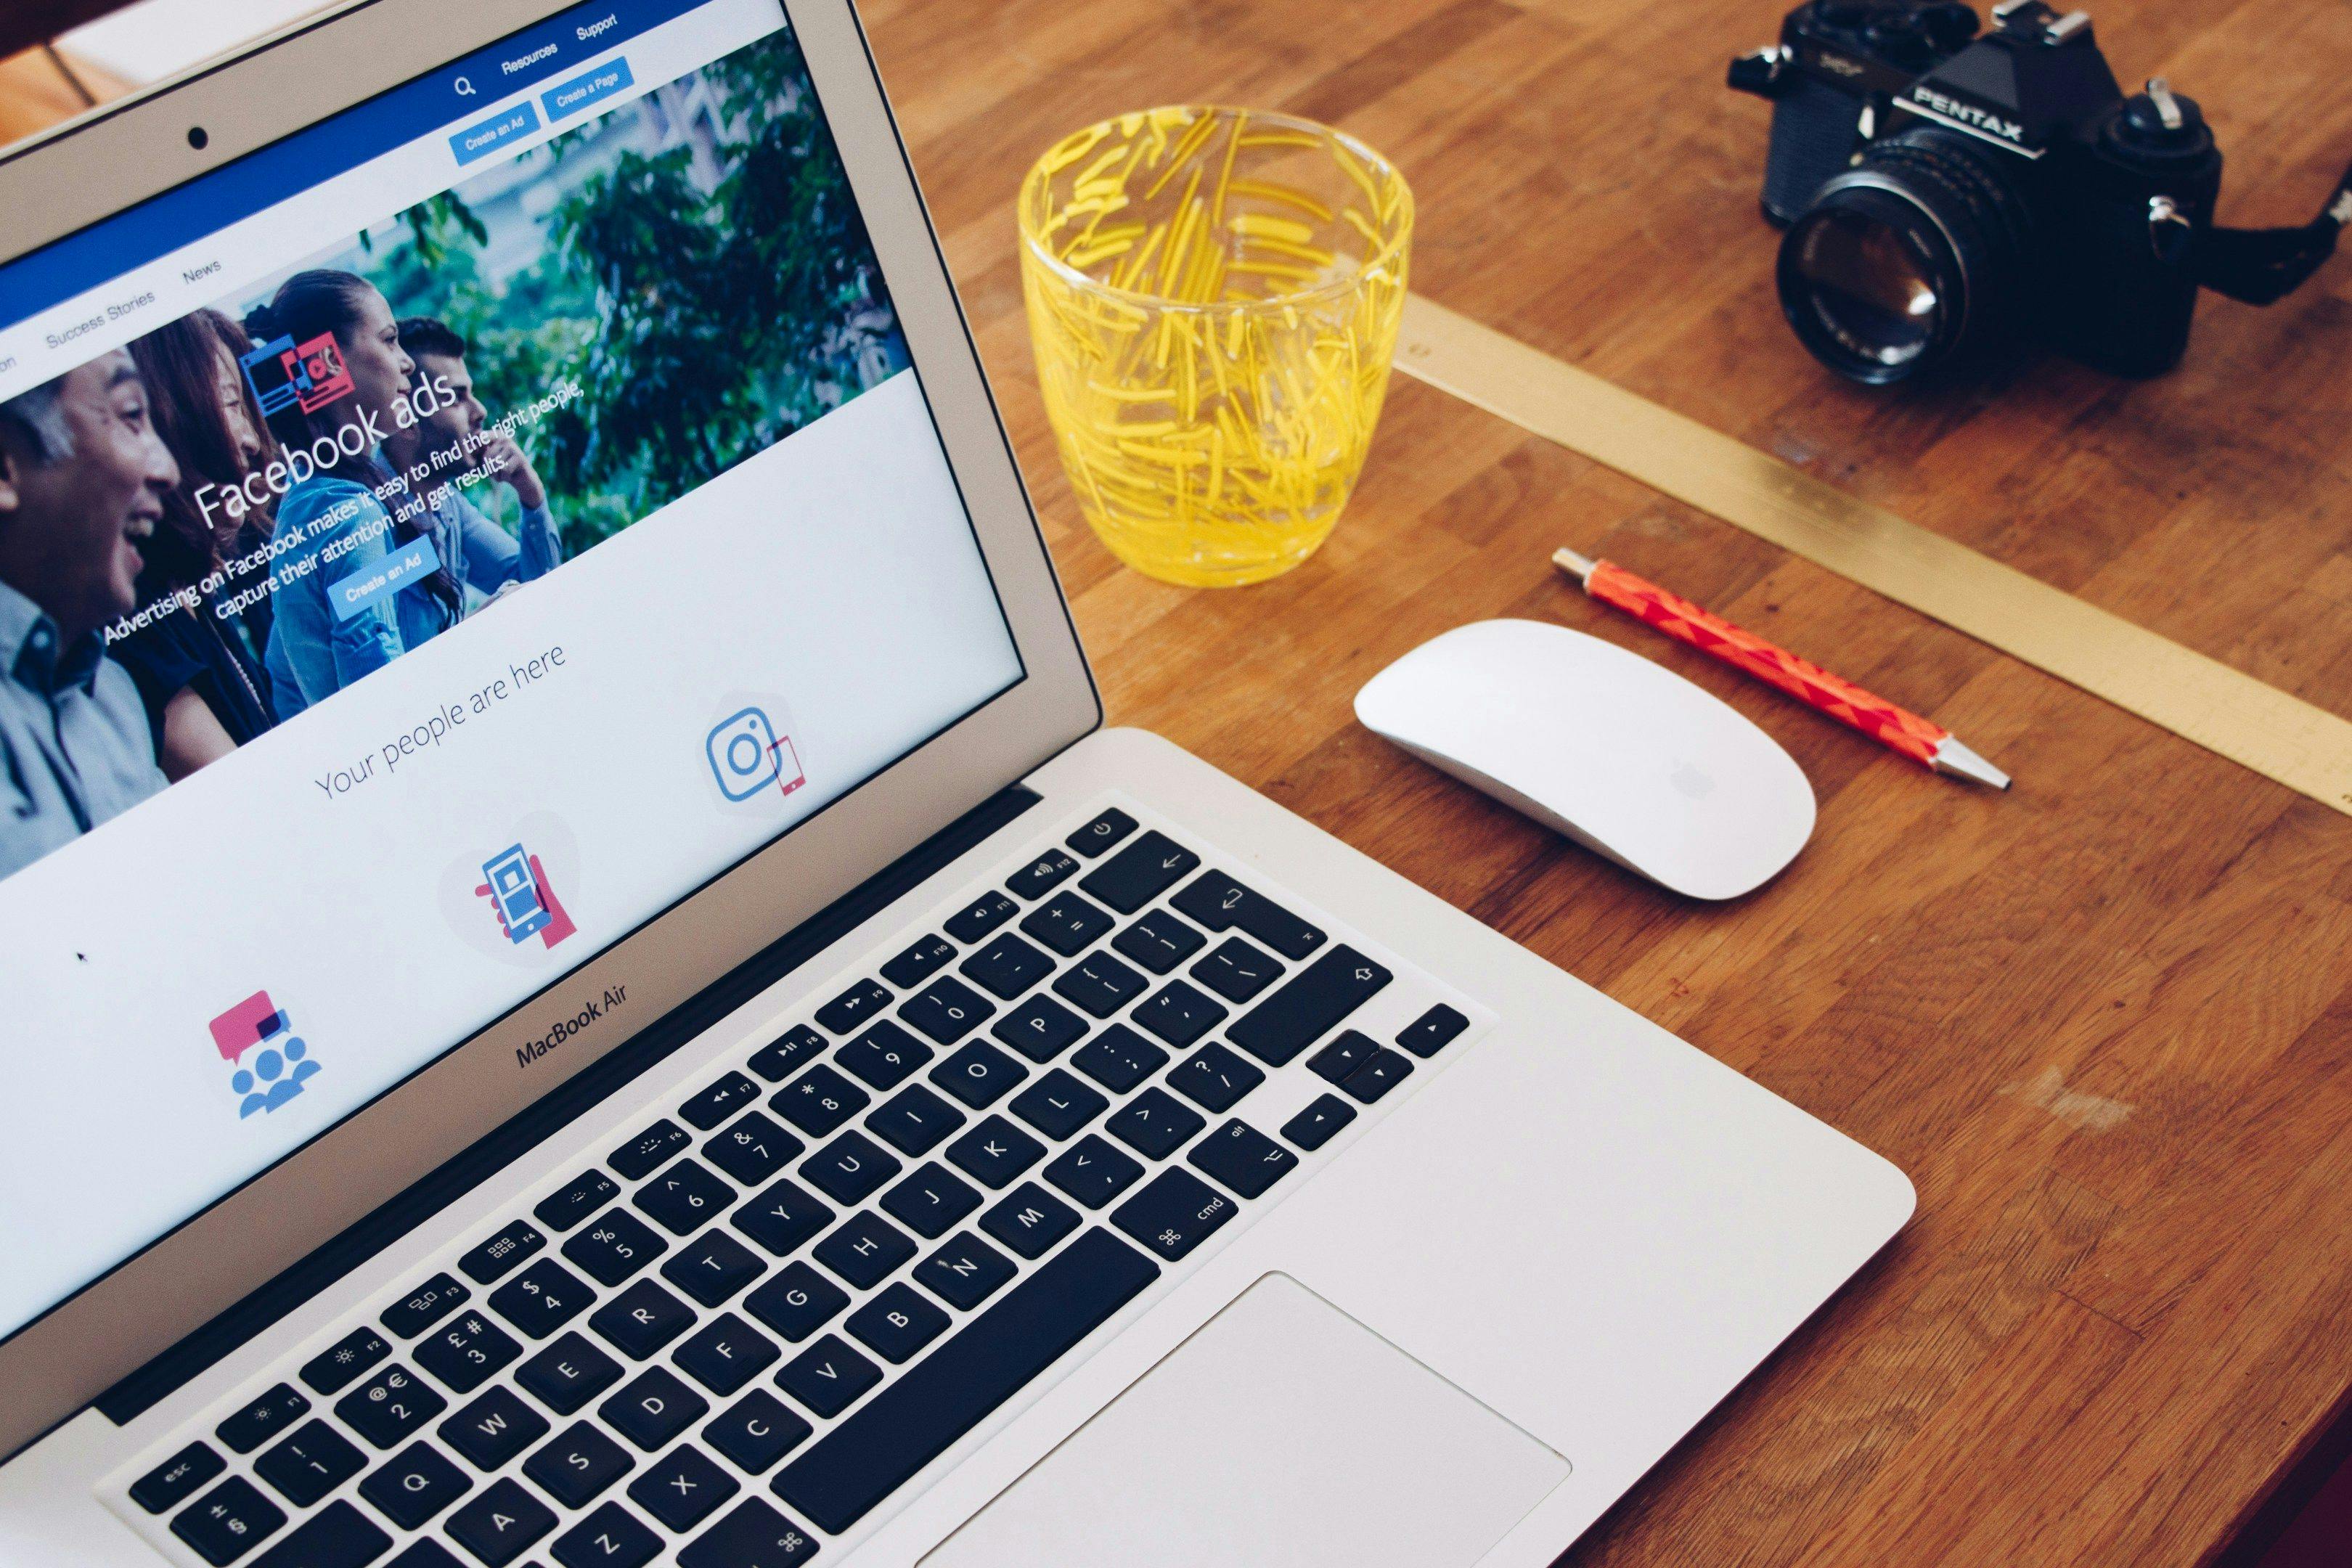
(949, 1391)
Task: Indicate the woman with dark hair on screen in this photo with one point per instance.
(198, 672)
(335, 537)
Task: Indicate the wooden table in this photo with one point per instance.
(2105, 1021)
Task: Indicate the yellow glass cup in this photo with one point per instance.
(1214, 295)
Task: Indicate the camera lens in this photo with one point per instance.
(1905, 261)
(198, 137)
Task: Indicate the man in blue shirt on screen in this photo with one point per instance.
(83, 474)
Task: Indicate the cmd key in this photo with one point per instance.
(1310, 1004)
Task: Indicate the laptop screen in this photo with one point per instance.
(430, 547)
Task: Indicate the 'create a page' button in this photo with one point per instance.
(479, 140)
(587, 88)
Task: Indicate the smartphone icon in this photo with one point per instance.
(515, 893)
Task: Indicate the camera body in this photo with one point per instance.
(1986, 184)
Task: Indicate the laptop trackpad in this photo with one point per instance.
(1282, 1434)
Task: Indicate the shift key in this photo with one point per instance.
(1308, 1006)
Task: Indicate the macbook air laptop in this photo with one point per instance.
(584, 983)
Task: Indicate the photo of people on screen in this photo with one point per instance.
(231, 518)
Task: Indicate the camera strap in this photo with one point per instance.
(2262, 265)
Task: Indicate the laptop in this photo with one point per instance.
(586, 983)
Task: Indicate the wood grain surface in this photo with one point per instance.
(2105, 1021)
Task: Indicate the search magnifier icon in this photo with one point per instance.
(464, 87)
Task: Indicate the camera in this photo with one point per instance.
(1946, 188)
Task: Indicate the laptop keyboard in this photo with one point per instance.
(778, 1299)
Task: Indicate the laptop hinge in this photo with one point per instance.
(253, 1315)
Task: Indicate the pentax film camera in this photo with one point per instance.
(1945, 189)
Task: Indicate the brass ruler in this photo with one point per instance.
(2199, 699)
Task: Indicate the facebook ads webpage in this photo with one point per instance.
(430, 547)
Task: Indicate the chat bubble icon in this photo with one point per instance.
(247, 1025)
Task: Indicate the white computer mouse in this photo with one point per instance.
(1622, 755)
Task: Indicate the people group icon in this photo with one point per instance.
(279, 1067)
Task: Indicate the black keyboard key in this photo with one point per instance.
(612, 1537)
(426, 1305)
(1155, 1123)
(896, 1323)
(1041, 875)
(541, 1299)
(979, 1075)
(332, 1369)
(1158, 942)
(1174, 1214)
(965, 1272)
(713, 1266)
(853, 1009)
(977, 920)
(652, 1408)
(275, 1411)
(753, 1536)
(686, 1197)
(1092, 1172)
(589, 1192)
(918, 964)
(1101, 984)
(931, 1201)
(720, 1102)
(782, 1217)
(1040, 1029)
(615, 1246)
(309, 1462)
(756, 1431)
(947, 1010)
(1320, 1122)
(797, 1303)
(1030, 1220)
(390, 1407)
(641, 1155)
(337, 1536)
(1178, 1013)
(641, 1320)
(788, 1053)
(229, 1521)
(752, 1149)
(839, 1479)
(1220, 903)
(1058, 1105)
(502, 1524)
(995, 1151)
(467, 1351)
(502, 1254)
(683, 1487)
(850, 1169)
(568, 1373)
(828, 1376)
(426, 1554)
(1100, 834)
(414, 1484)
(914, 1121)
(819, 1101)
(1433, 1031)
(176, 1479)
(725, 1353)
(884, 1055)
(864, 1249)
(1242, 1157)
(493, 1429)
(1236, 971)
(1139, 873)
(1308, 1005)
(1008, 966)
(1067, 924)
(1118, 1058)
(1382, 1073)
(576, 1467)
(1349, 1049)
(1214, 1077)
